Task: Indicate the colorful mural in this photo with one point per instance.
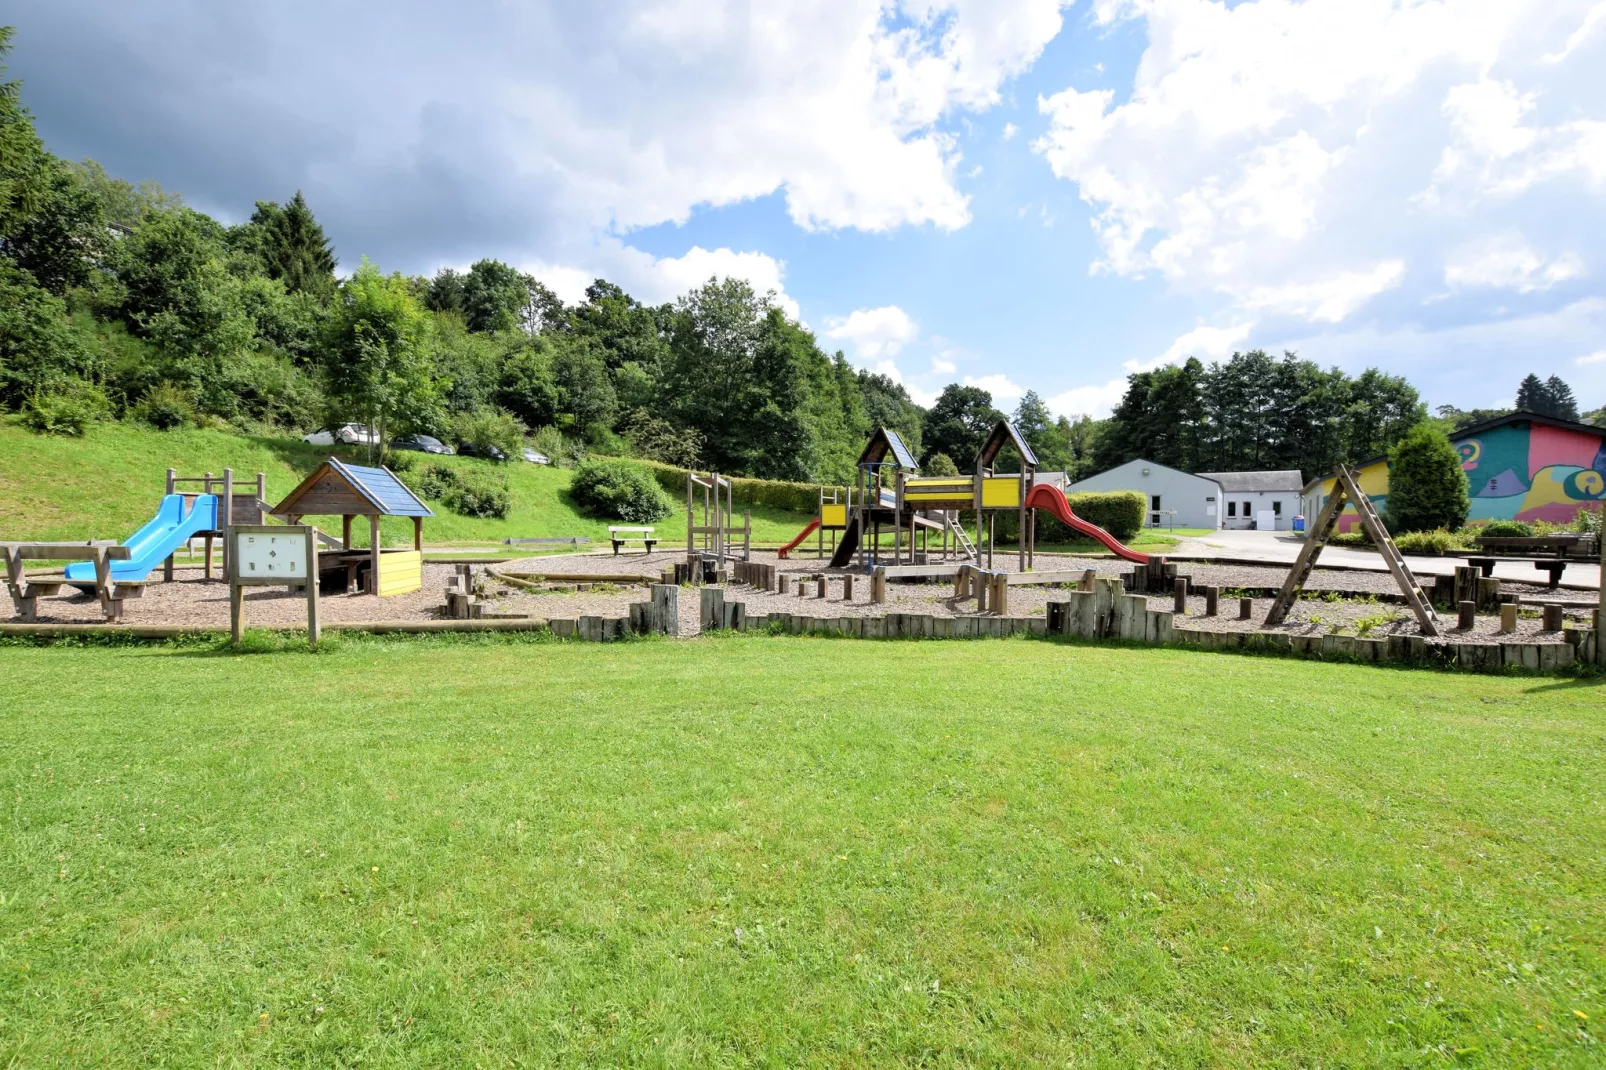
(1515, 471)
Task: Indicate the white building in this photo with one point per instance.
(1266, 501)
(1174, 498)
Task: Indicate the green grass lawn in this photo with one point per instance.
(108, 483)
(790, 851)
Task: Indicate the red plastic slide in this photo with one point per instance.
(805, 533)
(1049, 497)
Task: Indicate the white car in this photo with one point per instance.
(346, 435)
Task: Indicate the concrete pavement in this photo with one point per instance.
(1281, 547)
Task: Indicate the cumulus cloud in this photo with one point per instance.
(999, 386)
(873, 332)
(1204, 341)
(1298, 157)
(1598, 357)
(536, 133)
(1507, 262)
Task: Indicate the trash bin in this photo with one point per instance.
(1299, 523)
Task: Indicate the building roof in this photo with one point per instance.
(1249, 482)
(886, 441)
(335, 488)
(1002, 432)
(1146, 463)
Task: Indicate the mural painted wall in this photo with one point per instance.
(1516, 471)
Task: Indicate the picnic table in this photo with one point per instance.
(621, 534)
(27, 590)
(1549, 553)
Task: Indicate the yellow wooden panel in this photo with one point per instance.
(833, 516)
(1000, 492)
(401, 572)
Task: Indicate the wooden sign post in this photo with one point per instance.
(272, 555)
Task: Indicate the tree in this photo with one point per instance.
(1559, 399)
(1382, 409)
(1045, 436)
(63, 239)
(1531, 395)
(959, 423)
(497, 298)
(585, 393)
(940, 464)
(446, 292)
(1455, 419)
(292, 246)
(377, 363)
(123, 204)
(1427, 487)
(887, 404)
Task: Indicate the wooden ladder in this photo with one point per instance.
(952, 520)
(1345, 490)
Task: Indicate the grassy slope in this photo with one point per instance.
(108, 483)
(787, 851)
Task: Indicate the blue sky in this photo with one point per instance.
(1018, 193)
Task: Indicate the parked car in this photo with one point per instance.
(421, 444)
(345, 434)
(467, 449)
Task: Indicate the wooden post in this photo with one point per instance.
(821, 590)
(1553, 620)
(982, 581)
(226, 518)
(878, 585)
(847, 587)
(1212, 597)
(345, 532)
(236, 612)
(1466, 584)
(780, 583)
(373, 553)
(1001, 593)
(314, 627)
(418, 534)
(1466, 614)
(1179, 598)
(1088, 576)
(1246, 608)
(167, 566)
(1508, 617)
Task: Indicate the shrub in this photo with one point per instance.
(1356, 538)
(1429, 543)
(619, 489)
(660, 440)
(66, 413)
(491, 431)
(1506, 529)
(1118, 512)
(940, 464)
(463, 492)
(165, 407)
(479, 495)
(562, 452)
(1427, 488)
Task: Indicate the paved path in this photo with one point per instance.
(1281, 547)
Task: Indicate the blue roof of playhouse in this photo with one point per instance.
(382, 488)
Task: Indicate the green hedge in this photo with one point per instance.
(747, 493)
(1118, 512)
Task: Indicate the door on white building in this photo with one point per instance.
(1154, 510)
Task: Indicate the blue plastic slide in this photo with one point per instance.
(156, 541)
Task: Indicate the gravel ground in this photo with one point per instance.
(192, 601)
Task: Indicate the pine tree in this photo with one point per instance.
(293, 246)
(1563, 406)
(1531, 394)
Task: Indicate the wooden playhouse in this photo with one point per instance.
(348, 491)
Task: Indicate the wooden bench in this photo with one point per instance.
(620, 535)
(1549, 553)
(26, 592)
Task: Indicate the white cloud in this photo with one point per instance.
(1507, 262)
(657, 279)
(1579, 36)
(941, 365)
(1205, 342)
(873, 332)
(1276, 152)
(1598, 357)
(999, 386)
(1010, 130)
(919, 395)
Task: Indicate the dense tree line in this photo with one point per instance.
(1254, 412)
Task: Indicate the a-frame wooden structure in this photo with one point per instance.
(1346, 490)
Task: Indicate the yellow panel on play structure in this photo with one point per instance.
(833, 516)
(931, 490)
(1000, 492)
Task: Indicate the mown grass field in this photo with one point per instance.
(780, 851)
